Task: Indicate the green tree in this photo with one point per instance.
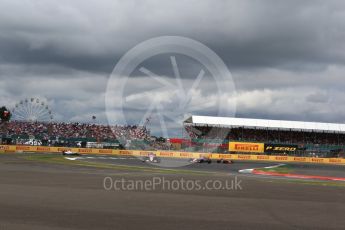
(5, 114)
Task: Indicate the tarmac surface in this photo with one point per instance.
(175, 163)
(297, 168)
(57, 193)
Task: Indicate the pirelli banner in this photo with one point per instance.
(280, 148)
(248, 147)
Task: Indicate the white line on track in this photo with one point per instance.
(102, 158)
(251, 170)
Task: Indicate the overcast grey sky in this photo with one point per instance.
(286, 57)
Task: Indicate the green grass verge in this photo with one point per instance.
(288, 169)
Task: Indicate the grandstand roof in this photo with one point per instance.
(265, 124)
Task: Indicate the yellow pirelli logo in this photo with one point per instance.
(246, 147)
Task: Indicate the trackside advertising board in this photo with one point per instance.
(188, 155)
(248, 147)
(280, 148)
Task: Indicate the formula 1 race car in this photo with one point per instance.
(202, 159)
(70, 153)
(224, 161)
(151, 158)
(209, 161)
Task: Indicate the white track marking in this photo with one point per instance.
(251, 170)
(100, 157)
(73, 158)
(245, 170)
(274, 166)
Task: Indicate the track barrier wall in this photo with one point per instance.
(174, 154)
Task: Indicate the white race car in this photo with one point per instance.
(202, 159)
(70, 153)
(151, 158)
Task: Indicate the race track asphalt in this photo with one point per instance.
(297, 168)
(43, 195)
(175, 163)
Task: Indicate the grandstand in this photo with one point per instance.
(205, 134)
(309, 137)
(69, 134)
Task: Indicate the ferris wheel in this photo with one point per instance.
(32, 110)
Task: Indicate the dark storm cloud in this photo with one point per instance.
(282, 54)
(89, 36)
(18, 51)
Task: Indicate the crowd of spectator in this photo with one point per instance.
(71, 134)
(75, 130)
(139, 137)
